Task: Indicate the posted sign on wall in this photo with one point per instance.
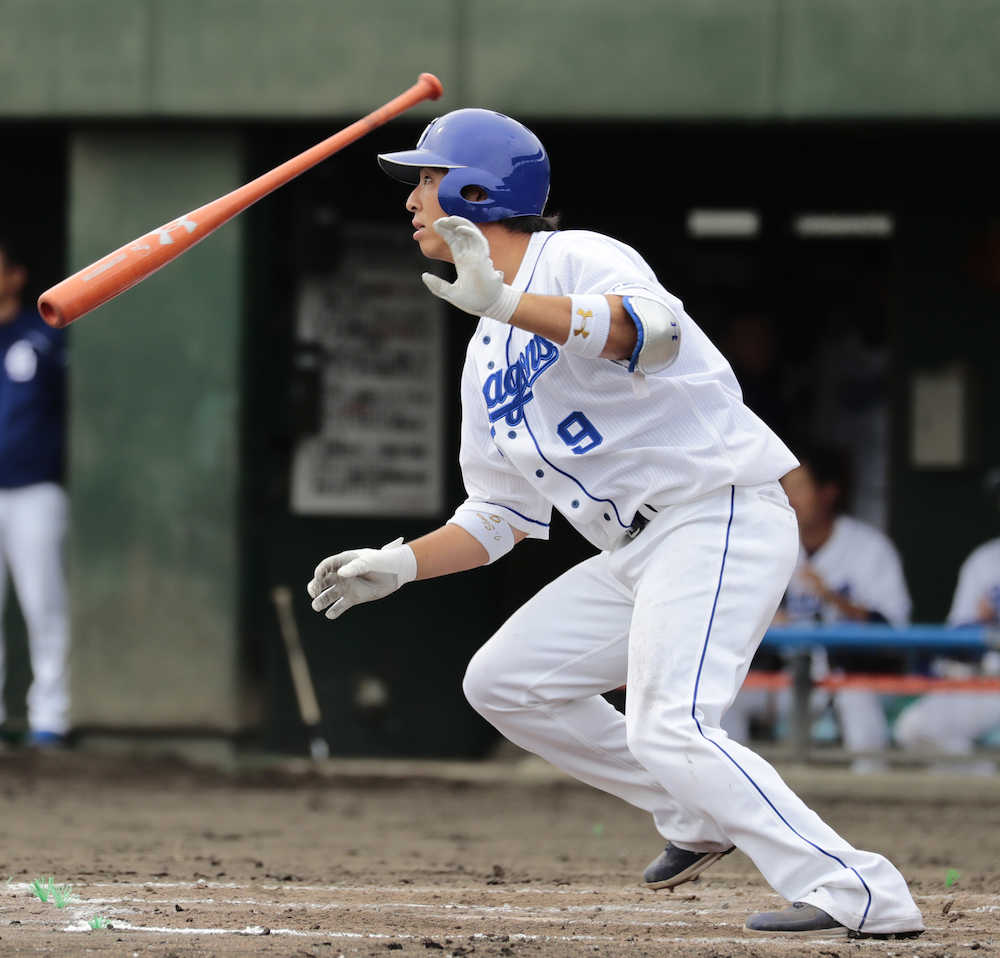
(378, 336)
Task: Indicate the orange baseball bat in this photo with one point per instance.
(120, 270)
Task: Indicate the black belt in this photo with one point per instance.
(639, 522)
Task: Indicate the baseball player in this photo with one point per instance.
(588, 388)
(33, 503)
(951, 722)
(847, 570)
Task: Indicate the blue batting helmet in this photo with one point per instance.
(479, 148)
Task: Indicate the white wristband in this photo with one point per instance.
(590, 325)
(492, 531)
(502, 308)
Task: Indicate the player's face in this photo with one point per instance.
(423, 204)
(12, 279)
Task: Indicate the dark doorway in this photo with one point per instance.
(815, 322)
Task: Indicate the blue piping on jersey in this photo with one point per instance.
(538, 259)
(524, 414)
(624, 525)
(640, 335)
(507, 351)
(694, 715)
(500, 505)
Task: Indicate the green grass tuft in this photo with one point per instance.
(62, 895)
(46, 889)
(98, 922)
(43, 888)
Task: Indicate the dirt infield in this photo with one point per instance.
(367, 859)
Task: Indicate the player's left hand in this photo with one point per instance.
(813, 581)
(479, 288)
(360, 575)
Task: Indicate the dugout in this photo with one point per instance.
(818, 236)
(192, 393)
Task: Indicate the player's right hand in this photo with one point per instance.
(360, 575)
(479, 288)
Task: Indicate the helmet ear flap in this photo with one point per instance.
(453, 190)
(474, 194)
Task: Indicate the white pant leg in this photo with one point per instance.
(37, 520)
(708, 577)
(863, 725)
(948, 721)
(539, 681)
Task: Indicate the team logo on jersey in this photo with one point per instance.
(508, 390)
(21, 362)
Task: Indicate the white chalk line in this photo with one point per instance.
(667, 904)
(379, 936)
(506, 909)
(483, 889)
(258, 930)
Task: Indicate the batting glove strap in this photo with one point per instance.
(491, 530)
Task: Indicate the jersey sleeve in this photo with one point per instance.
(491, 483)
(972, 587)
(885, 590)
(591, 263)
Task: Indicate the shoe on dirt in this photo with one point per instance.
(674, 866)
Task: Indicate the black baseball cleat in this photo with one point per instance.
(808, 921)
(674, 866)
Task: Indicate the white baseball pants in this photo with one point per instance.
(33, 521)
(678, 613)
(948, 722)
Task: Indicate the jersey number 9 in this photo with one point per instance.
(579, 433)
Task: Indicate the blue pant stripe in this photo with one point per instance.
(694, 707)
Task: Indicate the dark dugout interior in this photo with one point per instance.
(782, 306)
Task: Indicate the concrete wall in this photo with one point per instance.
(635, 58)
(154, 442)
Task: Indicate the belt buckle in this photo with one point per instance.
(639, 522)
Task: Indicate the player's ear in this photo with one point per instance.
(830, 494)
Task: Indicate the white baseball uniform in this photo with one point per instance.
(952, 721)
(677, 611)
(861, 563)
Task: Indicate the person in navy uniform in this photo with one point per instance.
(33, 502)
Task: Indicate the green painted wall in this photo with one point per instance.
(637, 58)
(154, 441)
(634, 58)
(889, 58)
(280, 58)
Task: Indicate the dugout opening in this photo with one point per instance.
(855, 277)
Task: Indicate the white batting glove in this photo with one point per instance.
(361, 575)
(480, 288)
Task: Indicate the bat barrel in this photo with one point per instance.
(130, 264)
(118, 271)
(51, 313)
